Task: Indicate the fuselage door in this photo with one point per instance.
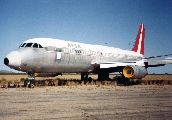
(59, 53)
(58, 56)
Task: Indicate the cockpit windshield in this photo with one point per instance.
(33, 45)
(29, 45)
(22, 45)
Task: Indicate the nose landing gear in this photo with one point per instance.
(31, 78)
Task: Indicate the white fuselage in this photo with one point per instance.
(59, 56)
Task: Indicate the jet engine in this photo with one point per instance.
(134, 71)
(46, 74)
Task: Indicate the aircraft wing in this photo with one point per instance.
(120, 65)
(154, 63)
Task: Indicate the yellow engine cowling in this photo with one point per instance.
(134, 72)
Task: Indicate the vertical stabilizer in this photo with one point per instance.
(139, 43)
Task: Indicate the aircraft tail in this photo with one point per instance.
(139, 43)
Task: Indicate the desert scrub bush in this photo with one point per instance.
(138, 82)
(3, 80)
(104, 82)
(68, 83)
(98, 82)
(56, 82)
(121, 80)
(92, 82)
(144, 82)
(9, 82)
(87, 83)
(61, 82)
(23, 79)
(82, 83)
(109, 83)
(114, 83)
(132, 82)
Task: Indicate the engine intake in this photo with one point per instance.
(134, 72)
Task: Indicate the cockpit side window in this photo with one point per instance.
(35, 45)
(22, 45)
(40, 46)
(29, 45)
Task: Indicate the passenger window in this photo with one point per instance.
(40, 46)
(76, 51)
(29, 45)
(22, 45)
(79, 51)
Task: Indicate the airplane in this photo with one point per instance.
(46, 57)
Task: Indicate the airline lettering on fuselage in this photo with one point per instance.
(74, 45)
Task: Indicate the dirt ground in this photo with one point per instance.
(87, 102)
(78, 77)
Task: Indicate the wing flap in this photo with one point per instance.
(116, 64)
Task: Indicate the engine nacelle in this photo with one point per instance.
(46, 74)
(134, 71)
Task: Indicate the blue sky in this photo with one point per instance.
(115, 22)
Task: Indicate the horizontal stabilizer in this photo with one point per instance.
(156, 63)
(156, 56)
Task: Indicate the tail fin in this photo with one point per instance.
(139, 43)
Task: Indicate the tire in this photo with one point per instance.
(32, 84)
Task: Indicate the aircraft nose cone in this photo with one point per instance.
(13, 59)
(6, 61)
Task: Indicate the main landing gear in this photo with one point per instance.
(84, 76)
(31, 78)
(101, 76)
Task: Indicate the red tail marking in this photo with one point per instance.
(139, 43)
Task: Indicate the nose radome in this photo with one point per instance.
(13, 59)
(6, 61)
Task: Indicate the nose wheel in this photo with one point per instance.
(31, 84)
(31, 78)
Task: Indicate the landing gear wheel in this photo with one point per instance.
(84, 76)
(31, 78)
(32, 84)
